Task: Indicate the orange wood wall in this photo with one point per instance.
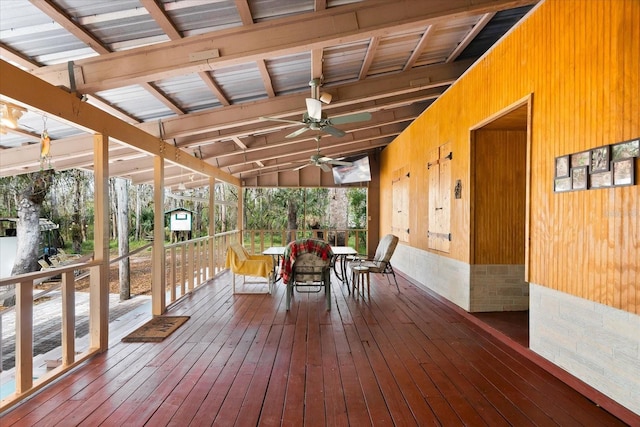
(579, 60)
(499, 197)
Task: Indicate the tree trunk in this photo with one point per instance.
(28, 229)
(138, 214)
(113, 215)
(292, 219)
(76, 227)
(122, 196)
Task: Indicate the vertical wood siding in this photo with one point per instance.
(499, 197)
(579, 61)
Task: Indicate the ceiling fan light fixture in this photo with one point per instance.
(9, 116)
(326, 97)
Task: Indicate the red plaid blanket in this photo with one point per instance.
(299, 247)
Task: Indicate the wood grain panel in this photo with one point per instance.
(499, 197)
(579, 61)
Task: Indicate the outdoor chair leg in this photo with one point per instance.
(289, 292)
(390, 268)
(327, 287)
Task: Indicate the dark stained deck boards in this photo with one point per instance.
(404, 359)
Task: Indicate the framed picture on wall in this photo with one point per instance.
(600, 159)
(601, 180)
(579, 176)
(562, 167)
(623, 172)
(562, 184)
(624, 150)
(580, 159)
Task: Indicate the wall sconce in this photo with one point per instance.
(10, 115)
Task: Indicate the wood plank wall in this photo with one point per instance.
(499, 196)
(579, 61)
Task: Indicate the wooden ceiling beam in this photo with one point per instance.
(220, 137)
(27, 90)
(58, 15)
(244, 11)
(300, 33)
(293, 106)
(417, 51)
(271, 140)
(470, 36)
(368, 57)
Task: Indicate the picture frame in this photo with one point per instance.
(580, 159)
(560, 185)
(625, 150)
(562, 167)
(623, 171)
(580, 177)
(601, 180)
(600, 159)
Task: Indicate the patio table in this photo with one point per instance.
(340, 254)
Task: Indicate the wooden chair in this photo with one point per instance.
(240, 262)
(381, 262)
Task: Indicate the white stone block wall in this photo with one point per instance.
(498, 288)
(445, 276)
(596, 343)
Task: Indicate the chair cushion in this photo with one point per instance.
(298, 247)
(385, 248)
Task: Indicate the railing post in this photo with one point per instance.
(68, 319)
(24, 336)
(172, 277)
(191, 260)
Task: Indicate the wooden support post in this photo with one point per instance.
(99, 279)
(24, 336)
(158, 296)
(212, 227)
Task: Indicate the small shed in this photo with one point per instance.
(180, 223)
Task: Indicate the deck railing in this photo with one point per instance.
(24, 331)
(189, 264)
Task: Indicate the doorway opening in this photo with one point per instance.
(500, 148)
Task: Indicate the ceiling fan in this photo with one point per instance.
(323, 162)
(315, 119)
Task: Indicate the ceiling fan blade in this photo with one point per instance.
(303, 166)
(298, 132)
(340, 163)
(314, 108)
(274, 119)
(333, 131)
(351, 118)
(325, 167)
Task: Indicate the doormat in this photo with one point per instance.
(156, 329)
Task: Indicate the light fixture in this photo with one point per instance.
(325, 97)
(9, 116)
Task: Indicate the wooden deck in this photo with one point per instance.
(398, 359)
